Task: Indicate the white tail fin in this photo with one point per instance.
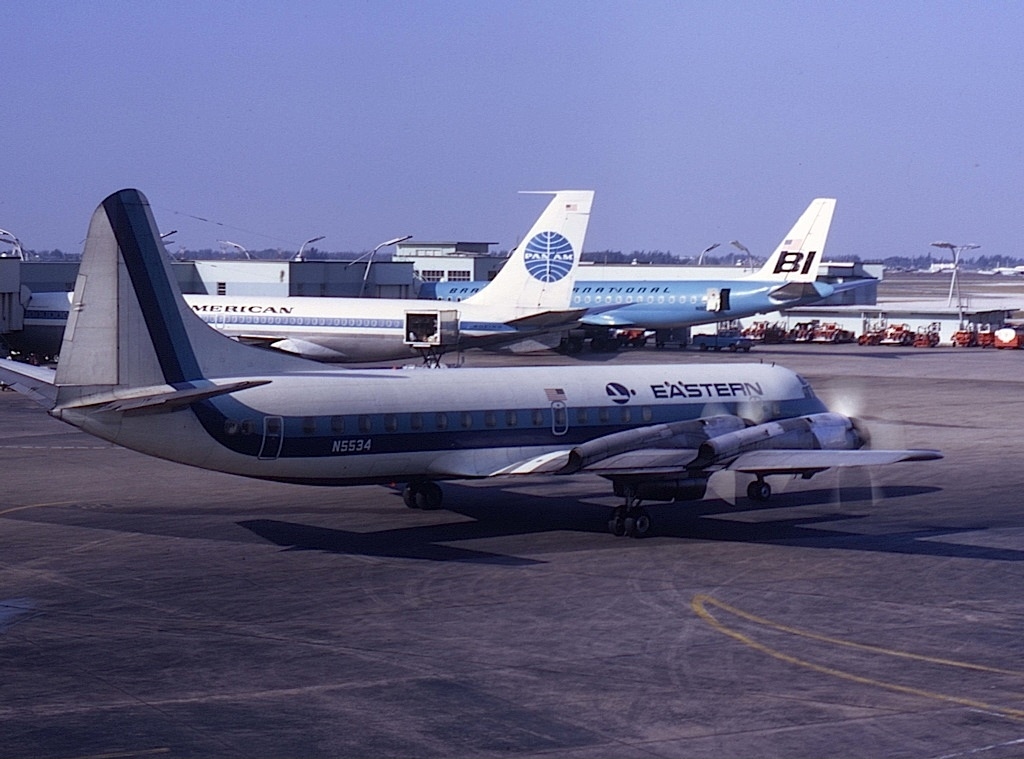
(799, 254)
(129, 325)
(541, 271)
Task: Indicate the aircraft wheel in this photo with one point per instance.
(424, 495)
(617, 524)
(759, 490)
(573, 346)
(429, 496)
(641, 524)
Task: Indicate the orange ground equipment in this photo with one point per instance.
(1009, 337)
(928, 337)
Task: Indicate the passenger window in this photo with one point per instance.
(230, 427)
(365, 423)
(390, 423)
(626, 414)
(308, 425)
(441, 421)
(538, 417)
(581, 416)
(603, 414)
(646, 413)
(490, 419)
(511, 419)
(467, 420)
(337, 424)
(416, 421)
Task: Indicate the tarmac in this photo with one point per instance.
(148, 609)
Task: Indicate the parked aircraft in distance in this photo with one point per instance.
(786, 280)
(529, 297)
(140, 369)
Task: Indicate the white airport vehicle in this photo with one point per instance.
(140, 369)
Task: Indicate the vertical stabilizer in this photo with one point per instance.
(541, 271)
(129, 325)
(799, 254)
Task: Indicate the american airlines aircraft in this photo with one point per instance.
(529, 297)
(140, 369)
(786, 280)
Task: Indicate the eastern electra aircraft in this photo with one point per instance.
(530, 296)
(140, 369)
(786, 280)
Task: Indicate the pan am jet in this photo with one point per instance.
(140, 369)
(786, 280)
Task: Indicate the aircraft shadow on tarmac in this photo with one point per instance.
(490, 518)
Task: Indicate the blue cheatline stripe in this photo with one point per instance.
(143, 258)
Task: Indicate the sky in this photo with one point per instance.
(269, 123)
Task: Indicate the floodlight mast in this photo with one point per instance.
(14, 242)
(369, 259)
(298, 256)
(708, 249)
(954, 282)
(236, 246)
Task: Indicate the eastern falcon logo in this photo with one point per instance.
(548, 256)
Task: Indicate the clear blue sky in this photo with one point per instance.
(695, 122)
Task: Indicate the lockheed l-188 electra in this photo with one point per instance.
(139, 368)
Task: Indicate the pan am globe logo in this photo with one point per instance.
(548, 256)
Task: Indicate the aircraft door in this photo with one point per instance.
(273, 437)
(559, 418)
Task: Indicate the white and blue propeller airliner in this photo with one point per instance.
(140, 369)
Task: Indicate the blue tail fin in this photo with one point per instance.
(129, 326)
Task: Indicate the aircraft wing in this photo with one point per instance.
(37, 382)
(811, 461)
(608, 319)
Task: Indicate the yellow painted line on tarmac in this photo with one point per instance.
(701, 602)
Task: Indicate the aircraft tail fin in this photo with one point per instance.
(798, 256)
(129, 325)
(541, 271)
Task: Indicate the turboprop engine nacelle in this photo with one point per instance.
(827, 431)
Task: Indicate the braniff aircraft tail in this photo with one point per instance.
(798, 256)
(541, 271)
(152, 338)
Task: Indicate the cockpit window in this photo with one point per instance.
(808, 390)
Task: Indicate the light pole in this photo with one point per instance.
(298, 256)
(369, 259)
(15, 243)
(745, 249)
(708, 249)
(954, 282)
(236, 246)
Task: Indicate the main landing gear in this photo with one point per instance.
(422, 494)
(631, 520)
(759, 490)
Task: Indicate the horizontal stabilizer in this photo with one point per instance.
(801, 462)
(549, 319)
(37, 382)
(177, 399)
